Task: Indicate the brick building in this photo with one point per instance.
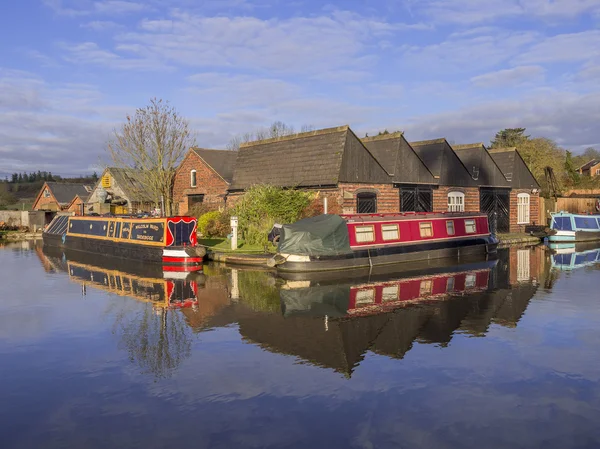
(591, 168)
(494, 188)
(525, 190)
(333, 162)
(58, 196)
(203, 177)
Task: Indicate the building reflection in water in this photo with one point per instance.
(328, 322)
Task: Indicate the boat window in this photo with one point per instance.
(426, 287)
(470, 227)
(450, 227)
(426, 229)
(366, 203)
(193, 178)
(562, 224)
(126, 231)
(390, 232)
(522, 208)
(365, 296)
(364, 234)
(111, 229)
(450, 284)
(586, 223)
(470, 281)
(456, 202)
(390, 293)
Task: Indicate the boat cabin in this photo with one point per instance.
(366, 230)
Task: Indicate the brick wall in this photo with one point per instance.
(440, 198)
(208, 183)
(527, 264)
(388, 197)
(75, 206)
(49, 203)
(534, 210)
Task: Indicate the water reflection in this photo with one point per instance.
(566, 257)
(323, 319)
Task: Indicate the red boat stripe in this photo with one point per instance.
(182, 259)
(182, 268)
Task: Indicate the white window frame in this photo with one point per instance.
(470, 224)
(425, 225)
(523, 265)
(390, 293)
(193, 178)
(390, 232)
(364, 297)
(450, 224)
(598, 172)
(364, 231)
(523, 208)
(46, 193)
(456, 201)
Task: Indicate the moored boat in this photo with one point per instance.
(570, 256)
(170, 241)
(341, 242)
(567, 227)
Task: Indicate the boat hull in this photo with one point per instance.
(574, 236)
(387, 255)
(171, 258)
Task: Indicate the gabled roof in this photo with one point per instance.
(131, 182)
(312, 159)
(589, 164)
(399, 159)
(514, 168)
(221, 161)
(482, 167)
(64, 192)
(443, 162)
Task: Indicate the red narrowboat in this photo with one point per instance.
(339, 242)
(169, 241)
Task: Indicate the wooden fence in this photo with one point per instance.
(577, 205)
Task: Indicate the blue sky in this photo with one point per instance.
(70, 70)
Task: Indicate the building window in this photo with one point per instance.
(426, 229)
(450, 227)
(364, 234)
(456, 202)
(366, 203)
(193, 178)
(597, 172)
(195, 199)
(470, 227)
(522, 208)
(46, 193)
(390, 232)
(523, 265)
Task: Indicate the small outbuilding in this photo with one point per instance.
(59, 196)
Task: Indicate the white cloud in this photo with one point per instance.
(510, 77)
(563, 48)
(101, 25)
(90, 53)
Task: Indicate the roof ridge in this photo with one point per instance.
(427, 142)
(465, 146)
(383, 136)
(317, 132)
(503, 149)
(212, 149)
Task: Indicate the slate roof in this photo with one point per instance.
(312, 159)
(65, 192)
(443, 162)
(589, 164)
(399, 159)
(514, 168)
(482, 167)
(131, 182)
(221, 161)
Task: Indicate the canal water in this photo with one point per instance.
(469, 354)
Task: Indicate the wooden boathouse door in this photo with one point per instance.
(496, 204)
(416, 199)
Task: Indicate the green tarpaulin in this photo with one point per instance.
(324, 235)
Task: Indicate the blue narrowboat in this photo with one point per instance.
(567, 227)
(567, 257)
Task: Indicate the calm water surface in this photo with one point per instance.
(486, 355)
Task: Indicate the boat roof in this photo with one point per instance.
(402, 216)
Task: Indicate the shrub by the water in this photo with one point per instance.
(263, 205)
(205, 220)
(219, 226)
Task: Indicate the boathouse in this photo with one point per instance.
(333, 162)
(58, 196)
(410, 176)
(494, 188)
(120, 191)
(203, 177)
(525, 190)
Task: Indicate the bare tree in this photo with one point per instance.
(154, 141)
(275, 130)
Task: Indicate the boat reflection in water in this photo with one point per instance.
(569, 256)
(140, 281)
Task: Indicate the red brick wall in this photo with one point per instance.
(46, 203)
(76, 206)
(534, 210)
(388, 197)
(208, 183)
(536, 268)
(440, 198)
